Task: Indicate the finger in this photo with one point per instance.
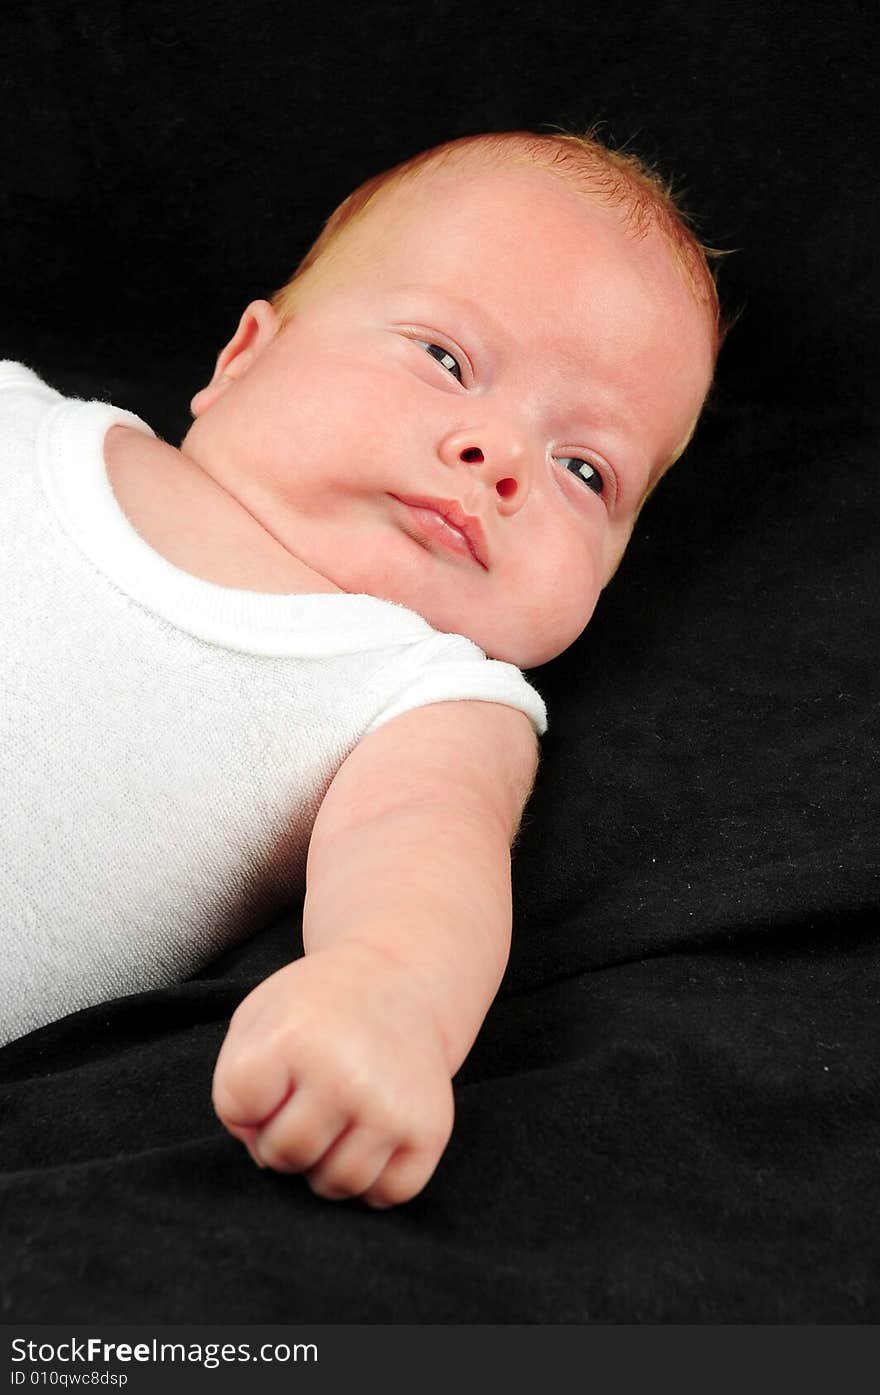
(300, 1133)
(249, 1086)
(247, 1136)
(352, 1164)
(406, 1173)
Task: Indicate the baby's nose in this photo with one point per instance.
(501, 458)
(507, 488)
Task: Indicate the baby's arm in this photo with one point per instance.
(340, 1064)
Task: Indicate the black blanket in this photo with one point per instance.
(672, 1113)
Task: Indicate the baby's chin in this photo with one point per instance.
(542, 642)
(525, 645)
(525, 640)
(524, 653)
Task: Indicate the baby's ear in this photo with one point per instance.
(207, 396)
(256, 329)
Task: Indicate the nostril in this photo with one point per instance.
(472, 456)
(506, 488)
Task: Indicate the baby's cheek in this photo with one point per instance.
(561, 602)
(614, 551)
(368, 420)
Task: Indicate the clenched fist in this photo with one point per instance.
(336, 1067)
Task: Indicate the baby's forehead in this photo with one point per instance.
(515, 190)
(450, 224)
(507, 204)
(553, 275)
(532, 222)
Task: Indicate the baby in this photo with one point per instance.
(426, 455)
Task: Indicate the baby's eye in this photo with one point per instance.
(444, 357)
(584, 471)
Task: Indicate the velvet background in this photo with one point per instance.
(672, 1114)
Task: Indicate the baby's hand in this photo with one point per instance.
(335, 1067)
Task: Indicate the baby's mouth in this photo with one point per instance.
(443, 521)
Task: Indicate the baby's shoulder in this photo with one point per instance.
(22, 391)
(18, 377)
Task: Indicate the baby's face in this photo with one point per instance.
(497, 350)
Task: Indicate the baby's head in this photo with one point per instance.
(514, 331)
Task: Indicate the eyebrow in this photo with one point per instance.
(483, 320)
(476, 313)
